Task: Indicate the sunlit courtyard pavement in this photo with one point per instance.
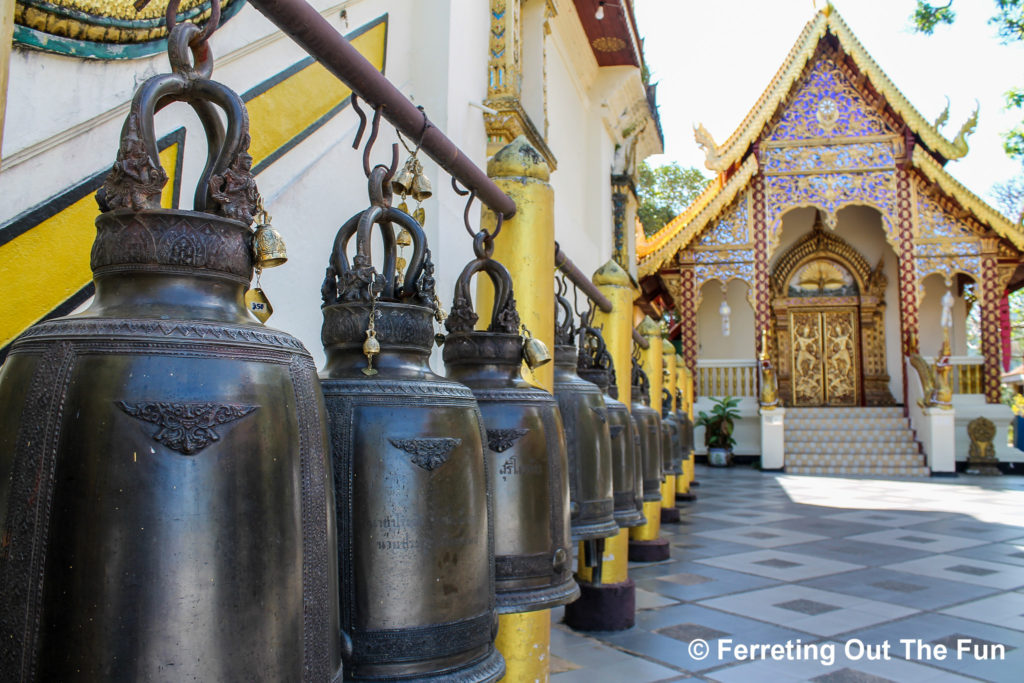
(862, 579)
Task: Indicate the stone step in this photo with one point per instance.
(878, 471)
(846, 423)
(850, 436)
(852, 460)
(874, 411)
(855, 448)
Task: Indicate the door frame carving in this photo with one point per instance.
(869, 302)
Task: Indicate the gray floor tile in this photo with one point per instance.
(935, 560)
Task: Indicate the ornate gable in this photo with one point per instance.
(825, 105)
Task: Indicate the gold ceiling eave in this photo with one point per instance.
(985, 214)
(678, 233)
(721, 157)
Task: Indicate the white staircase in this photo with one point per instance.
(838, 441)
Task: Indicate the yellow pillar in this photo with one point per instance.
(668, 361)
(615, 560)
(524, 640)
(617, 330)
(685, 385)
(651, 364)
(651, 359)
(526, 246)
(650, 530)
(6, 31)
(691, 398)
(617, 326)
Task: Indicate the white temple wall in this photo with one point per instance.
(930, 316)
(711, 343)
(583, 149)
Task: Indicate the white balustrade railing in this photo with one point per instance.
(726, 378)
(968, 374)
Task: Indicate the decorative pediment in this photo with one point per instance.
(826, 105)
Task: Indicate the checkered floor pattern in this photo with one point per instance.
(848, 563)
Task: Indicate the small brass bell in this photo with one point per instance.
(402, 183)
(404, 238)
(371, 348)
(536, 353)
(420, 189)
(268, 247)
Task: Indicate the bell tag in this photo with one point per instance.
(258, 304)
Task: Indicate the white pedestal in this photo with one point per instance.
(941, 450)
(773, 439)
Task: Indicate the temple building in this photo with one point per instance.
(834, 249)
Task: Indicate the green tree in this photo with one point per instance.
(1009, 22)
(664, 192)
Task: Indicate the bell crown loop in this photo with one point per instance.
(593, 363)
(226, 186)
(565, 330)
(358, 281)
(640, 383)
(504, 316)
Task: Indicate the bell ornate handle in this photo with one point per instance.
(504, 317)
(565, 331)
(226, 186)
(358, 280)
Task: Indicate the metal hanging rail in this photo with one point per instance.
(582, 282)
(315, 35)
(311, 31)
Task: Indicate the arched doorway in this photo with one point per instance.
(828, 313)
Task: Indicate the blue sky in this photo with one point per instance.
(713, 59)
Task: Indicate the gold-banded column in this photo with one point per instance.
(668, 362)
(651, 359)
(526, 246)
(617, 326)
(610, 604)
(684, 384)
(651, 364)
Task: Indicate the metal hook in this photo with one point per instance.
(455, 186)
(465, 214)
(171, 19)
(374, 130)
(362, 121)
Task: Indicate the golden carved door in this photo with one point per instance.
(824, 364)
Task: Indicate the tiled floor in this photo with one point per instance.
(864, 580)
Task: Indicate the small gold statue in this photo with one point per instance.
(769, 387)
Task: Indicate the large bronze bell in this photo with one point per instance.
(672, 461)
(415, 544)
(595, 365)
(526, 450)
(649, 428)
(588, 438)
(638, 461)
(165, 503)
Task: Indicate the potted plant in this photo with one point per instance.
(719, 425)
